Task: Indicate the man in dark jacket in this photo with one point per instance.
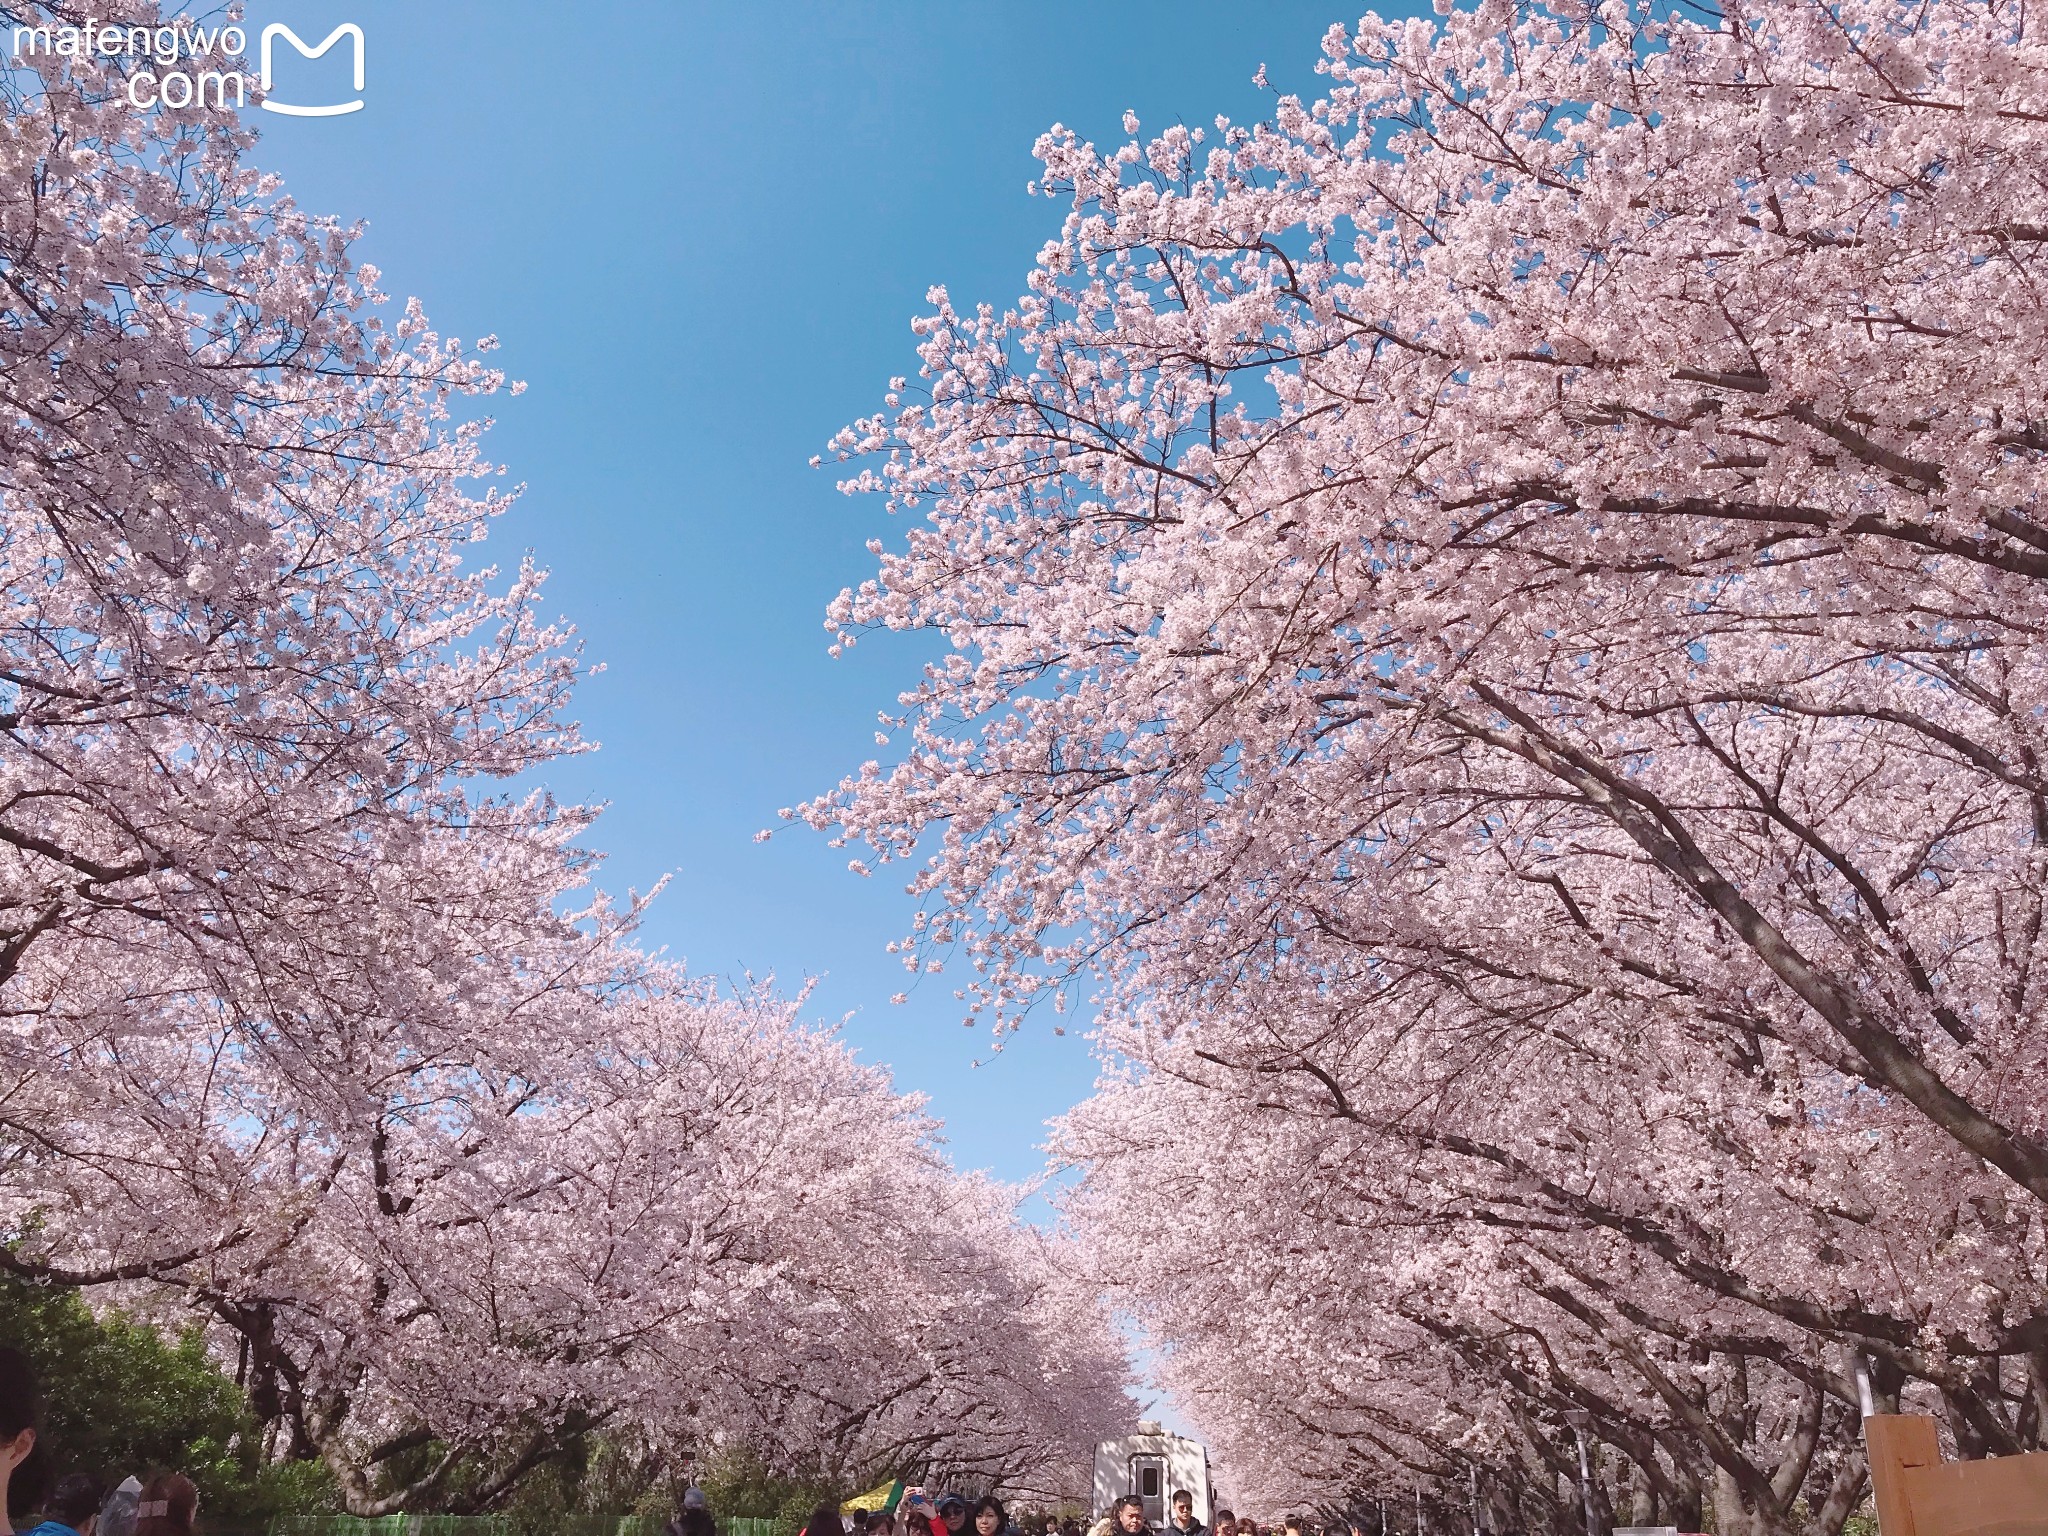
(1182, 1522)
(695, 1517)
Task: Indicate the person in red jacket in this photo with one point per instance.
(920, 1514)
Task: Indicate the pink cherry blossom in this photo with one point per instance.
(1491, 630)
(315, 1031)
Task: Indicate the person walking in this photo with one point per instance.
(1182, 1521)
(825, 1521)
(990, 1518)
(72, 1509)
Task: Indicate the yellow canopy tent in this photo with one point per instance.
(884, 1497)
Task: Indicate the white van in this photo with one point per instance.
(1153, 1465)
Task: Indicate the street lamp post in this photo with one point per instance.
(1579, 1418)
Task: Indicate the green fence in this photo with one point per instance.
(492, 1525)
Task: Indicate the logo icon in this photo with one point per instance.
(278, 29)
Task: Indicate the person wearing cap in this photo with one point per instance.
(695, 1519)
(953, 1510)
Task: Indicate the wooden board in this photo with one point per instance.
(2005, 1496)
(1919, 1494)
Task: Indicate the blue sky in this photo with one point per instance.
(700, 232)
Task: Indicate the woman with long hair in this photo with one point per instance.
(825, 1521)
(168, 1506)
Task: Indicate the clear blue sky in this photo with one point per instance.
(700, 232)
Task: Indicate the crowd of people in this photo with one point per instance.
(954, 1514)
(167, 1504)
(918, 1514)
(76, 1504)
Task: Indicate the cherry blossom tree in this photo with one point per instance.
(249, 679)
(313, 1031)
(1395, 1265)
(1243, 518)
(684, 1214)
(1494, 613)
